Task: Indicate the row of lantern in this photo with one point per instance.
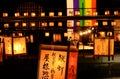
(71, 13)
(60, 24)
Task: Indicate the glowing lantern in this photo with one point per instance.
(65, 34)
(42, 14)
(51, 23)
(19, 45)
(59, 13)
(6, 25)
(107, 12)
(105, 23)
(24, 24)
(77, 13)
(116, 12)
(47, 34)
(26, 14)
(17, 14)
(33, 14)
(5, 14)
(16, 24)
(51, 13)
(59, 23)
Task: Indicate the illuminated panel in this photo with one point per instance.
(102, 47)
(70, 12)
(19, 45)
(72, 65)
(52, 64)
(8, 45)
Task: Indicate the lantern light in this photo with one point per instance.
(26, 14)
(107, 12)
(47, 34)
(5, 14)
(105, 23)
(6, 25)
(51, 23)
(16, 24)
(51, 13)
(17, 14)
(59, 13)
(33, 14)
(59, 23)
(77, 13)
(24, 24)
(116, 12)
(42, 14)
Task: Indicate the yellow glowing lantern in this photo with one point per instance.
(105, 23)
(77, 13)
(42, 14)
(51, 13)
(32, 24)
(33, 14)
(13, 34)
(20, 34)
(51, 23)
(59, 23)
(65, 34)
(47, 34)
(44, 23)
(8, 45)
(78, 23)
(5, 14)
(24, 24)
(17, 14)
(16, 24)
(95, 14)
(88, 13)
(113, 23)
(6, 25)
(116, 12)
(107, 12)
(19, 45)
(26, 14)
(59, 13)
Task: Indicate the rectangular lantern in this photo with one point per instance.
(72, 63)
(104, 46)
(8, 45)
(52, 62)
(19, 45)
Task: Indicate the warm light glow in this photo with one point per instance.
(32, 24)
(56, 62)
(95, 14)
(65, 34)
(51, 13)
(113, 23)
(89, 31)
(81, 33)
(59, 13)
(5, 14)
(47, 34)
(19, 45)
(107, 12)
(6, 25)
(69, 23)
(17, 14)
(78, 23)
(87, 23)
(116, 12)
(88, 13)
(16, 24)
(96, 23)
(13, 34)
(44, 23)
(105, 23)
(24, 24)
(102, 34)
(20, 34)
(42, 14)
(77, 13)
(33, 14)
(59, 23)
(109, 33)
(31, 39)
(51, 23)
(70, 13)
(8, 45)
(26, 14)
